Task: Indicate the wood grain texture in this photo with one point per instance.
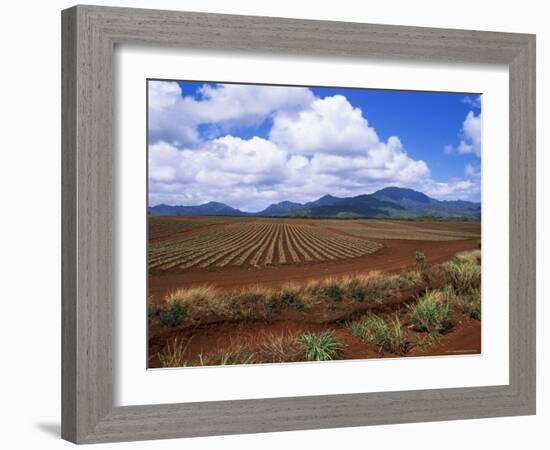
(89, 36)
(88, 211)
(68, 226)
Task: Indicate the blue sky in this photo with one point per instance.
(252, 145)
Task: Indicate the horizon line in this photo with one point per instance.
(322, 196)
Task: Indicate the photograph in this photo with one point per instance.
(265, 225)
(292, 224)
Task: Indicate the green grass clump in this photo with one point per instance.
(287, 297)
(464, 275)
(330, 290)
(471, 305)
(431, 313)
(448, 294)
(357, 291)
(387, 338)
(405, 280)
(173, 316)
(321, 347)
(358, 329)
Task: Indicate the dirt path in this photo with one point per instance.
(396, 255)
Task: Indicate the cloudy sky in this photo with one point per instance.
(252, 145)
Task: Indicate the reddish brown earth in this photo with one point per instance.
(186, 232)
(464, 338)
(396, 255)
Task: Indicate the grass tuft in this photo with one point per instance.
(357, 290)
(387, 338)
(470, 304)
(464, 275)
(204, 304)
(333, 291)
(200, 303)
(230, 355)
(280, 347)
(321, 347)
(473, 256)
(421, 262)
(173, 316)
(173, 354)
(431, 313)
(288, 296)
(247, 304)
(330, 289)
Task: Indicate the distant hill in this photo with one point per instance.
(323, 201)
(280, 209)
(207, 209)
(388, 202)
(359, 206)
(401, 195)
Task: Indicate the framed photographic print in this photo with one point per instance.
(268, 222)
(284, 228)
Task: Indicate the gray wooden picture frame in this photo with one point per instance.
(90, 34)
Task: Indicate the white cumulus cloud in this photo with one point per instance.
(316, 146)
(174, 115)
(471, 136)
(329, 125)
(471, 131)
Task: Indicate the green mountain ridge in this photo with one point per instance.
(390, 202)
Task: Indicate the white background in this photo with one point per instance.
(135, 386)
(30, 234)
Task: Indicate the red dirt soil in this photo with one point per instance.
(464, 338)
(186, 232)
(396, 255)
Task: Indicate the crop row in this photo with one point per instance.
(255, 244)
(160, 227)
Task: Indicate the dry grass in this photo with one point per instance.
(234, 353)
(173, 354)
(279, 347)
(268, 347)
(428, 316)
(204, 304)
(464, 275)
(373, 287)
(470, 304)
(200, 303)
(473, 256)
(251, 303)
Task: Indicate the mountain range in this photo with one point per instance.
(390, 202)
